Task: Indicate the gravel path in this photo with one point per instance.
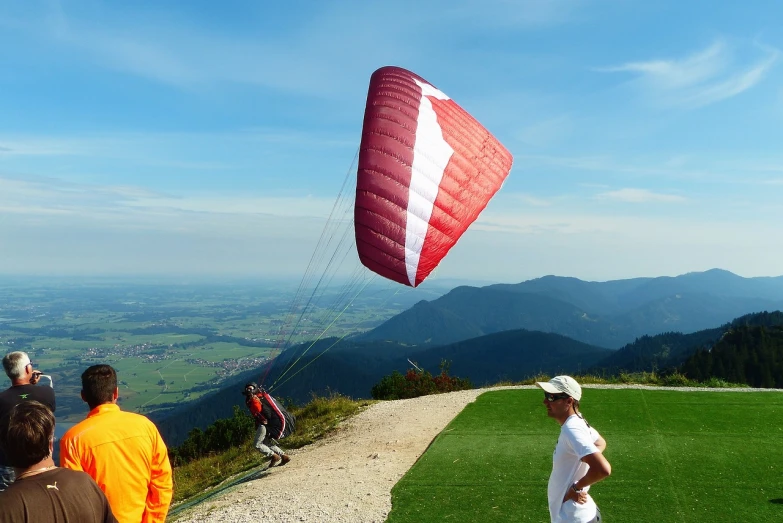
(347, 477)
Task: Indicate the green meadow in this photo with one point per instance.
(677, 456)
(170, 344)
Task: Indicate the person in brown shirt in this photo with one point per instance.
(42, 491)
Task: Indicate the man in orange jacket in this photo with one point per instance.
(122, 451)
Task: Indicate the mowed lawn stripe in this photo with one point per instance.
(661, 448)
(679, 456)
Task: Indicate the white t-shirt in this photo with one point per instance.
(576, 441)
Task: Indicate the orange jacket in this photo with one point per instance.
(126, 456)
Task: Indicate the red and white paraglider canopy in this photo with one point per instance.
(426, 170)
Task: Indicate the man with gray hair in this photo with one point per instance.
(19, 370)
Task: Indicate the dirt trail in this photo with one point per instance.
(346, 477)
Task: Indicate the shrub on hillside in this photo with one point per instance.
(220, 436)
(677, 379)
(417, 382)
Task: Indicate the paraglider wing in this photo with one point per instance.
(426, 170)
(280, 423)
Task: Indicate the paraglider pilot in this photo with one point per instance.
(263, 415)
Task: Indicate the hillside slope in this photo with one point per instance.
(671, 349)
(512, 356)
(352, 368)
(470, 312)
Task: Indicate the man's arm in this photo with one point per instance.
(599, 469)
(601, 444)
(69, 458)
(161, 486)
(53, 400)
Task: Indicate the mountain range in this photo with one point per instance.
(550, 325)
(607, 314)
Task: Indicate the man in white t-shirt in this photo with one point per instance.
(578, 461)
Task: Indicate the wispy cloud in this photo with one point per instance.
(299, 55)
(715, 169)
(42, 146)
(675, 74)
(548, 243)
(161, 45)
(530, 200)
(27, 195)
(702, 78)
(640, 196)
(53, 226)
(527, 223)
(546, 132)
(142, 145)
(305, 206)
(608, 164)
(128, 205)
(50, 226)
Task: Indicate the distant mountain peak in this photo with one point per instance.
(714, 272)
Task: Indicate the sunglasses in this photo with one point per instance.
(554, 397)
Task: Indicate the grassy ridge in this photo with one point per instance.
(313, 421)
(323, 414)
(686, 457)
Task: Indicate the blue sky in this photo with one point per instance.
(205, 138)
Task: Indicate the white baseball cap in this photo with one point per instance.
(562, 384)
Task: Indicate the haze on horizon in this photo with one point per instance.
(203, 140)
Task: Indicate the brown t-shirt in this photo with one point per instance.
(58, 495)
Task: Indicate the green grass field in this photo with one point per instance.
(676, 457)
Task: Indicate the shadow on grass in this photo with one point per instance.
(778, 501)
